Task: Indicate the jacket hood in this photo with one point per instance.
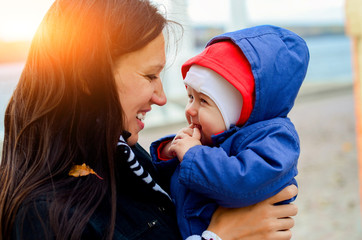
(279, 61)
(229, 62)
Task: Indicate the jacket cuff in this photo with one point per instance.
(159, 150)
(194, 237)
(157, 145)
(208, 235)
(165, 168)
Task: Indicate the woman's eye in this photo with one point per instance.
(151, 77)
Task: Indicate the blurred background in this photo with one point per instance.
(324, 113)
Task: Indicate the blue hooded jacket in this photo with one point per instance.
(251, 163)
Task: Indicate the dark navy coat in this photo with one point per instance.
(141, 213)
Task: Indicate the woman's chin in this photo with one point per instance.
(132, 140)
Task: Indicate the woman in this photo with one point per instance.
(92, 74)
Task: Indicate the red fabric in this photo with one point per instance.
(159, 149)
(228, 60)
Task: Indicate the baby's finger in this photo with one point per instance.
(188, 131)
(172, 150)
(196, 133)
(182, 134)
(177, 137)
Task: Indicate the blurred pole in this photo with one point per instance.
(180, 48)
(239, 15)
(178, 11)
(354, 29)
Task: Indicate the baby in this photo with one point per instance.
(240, 147)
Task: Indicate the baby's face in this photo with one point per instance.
(204, 114)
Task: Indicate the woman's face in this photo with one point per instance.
(139, 84)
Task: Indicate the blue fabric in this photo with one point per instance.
(251, 163)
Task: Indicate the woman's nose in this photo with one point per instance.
(159, 96)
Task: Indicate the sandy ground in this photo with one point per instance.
(328, 198)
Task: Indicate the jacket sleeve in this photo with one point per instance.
(261, 162)
(165, 168)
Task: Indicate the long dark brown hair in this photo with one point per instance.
(65, 110)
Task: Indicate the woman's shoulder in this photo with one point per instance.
(32, 220)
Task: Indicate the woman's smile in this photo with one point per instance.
(140, 118)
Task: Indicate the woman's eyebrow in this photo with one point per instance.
(155, 67)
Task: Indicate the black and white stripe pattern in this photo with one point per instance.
(138, 169)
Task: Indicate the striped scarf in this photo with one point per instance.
(136, 167)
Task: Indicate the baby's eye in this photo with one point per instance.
(203, 101)
(191, 98)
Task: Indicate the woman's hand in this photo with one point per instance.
(263, 220)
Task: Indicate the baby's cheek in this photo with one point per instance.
(188, 118)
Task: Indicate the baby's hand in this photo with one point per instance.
(165, 152)
(186, 130)
(184, 140)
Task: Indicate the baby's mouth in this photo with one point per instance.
(197, 126)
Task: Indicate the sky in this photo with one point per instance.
(20, 18)
(278, 11)
(298, 11)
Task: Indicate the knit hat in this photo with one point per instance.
(227, 98)
(227, 60)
